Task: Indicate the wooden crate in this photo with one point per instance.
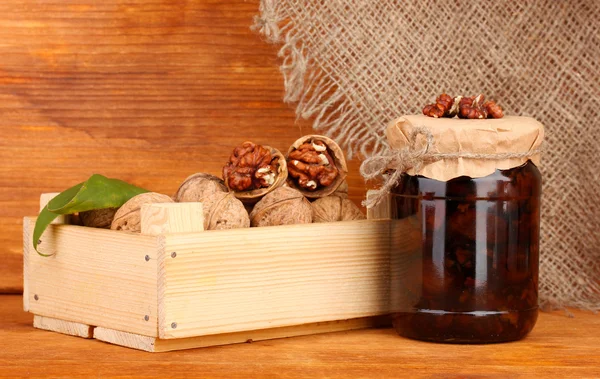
(175, 286)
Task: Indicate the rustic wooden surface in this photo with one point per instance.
(146, 91)
(558, 347)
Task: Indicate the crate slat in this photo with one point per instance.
(167, 218)
(61, 326)
(98, 277)
(156, 345)
(117, 337)
(258, 278)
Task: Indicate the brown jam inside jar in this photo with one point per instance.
(471, 273)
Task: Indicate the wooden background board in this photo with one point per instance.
(146, 91)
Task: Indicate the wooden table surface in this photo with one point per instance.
(558, 347)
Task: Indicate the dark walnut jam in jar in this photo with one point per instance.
(469, 273)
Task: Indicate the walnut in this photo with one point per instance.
(316, 166)
(197, 187)
(475, 107)
(282, 206)
(253, 171)
(443, 107)
(334, 208)
(98, 218)
(493, 109)
(472, 107)
(342, 190)
(128, 217)
(434, 110)
(222, 210)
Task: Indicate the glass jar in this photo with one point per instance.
(471, 273)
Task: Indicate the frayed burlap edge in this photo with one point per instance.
(336, 115)
(313, 91)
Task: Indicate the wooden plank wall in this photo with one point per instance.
(148, 91)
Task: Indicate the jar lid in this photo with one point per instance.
(481, 146)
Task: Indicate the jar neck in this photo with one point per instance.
(516, 183)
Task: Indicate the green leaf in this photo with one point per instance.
(98, 192)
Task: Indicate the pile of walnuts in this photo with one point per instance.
(260, 187)
(470, 107)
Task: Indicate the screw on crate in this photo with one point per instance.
(146, 318)
(173, 254)
(174, 325)
(39, 242)
(147, 258)
(36, 297)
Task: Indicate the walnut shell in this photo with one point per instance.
(335, 208)
(128, 217)
(223, 211)
(282, 206)
(253, 196)
(197, 187)
(98, 218)
(339, 160)
(342, 190)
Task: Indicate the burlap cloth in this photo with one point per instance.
(353, 66)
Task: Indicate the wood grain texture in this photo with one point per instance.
(131, 340)
(558, 347)
(381, 210)
(145, 91)
(61, 326)
(224, 281)
(157, 219)
(97, 277)
(156, 345)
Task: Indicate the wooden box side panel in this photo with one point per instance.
(248, 279)
(96, 277)
(62, 219)
(382, 210)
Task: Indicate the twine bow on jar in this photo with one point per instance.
(415, 157)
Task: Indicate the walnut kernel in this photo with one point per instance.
(470, 107)
(254, 170)
(443, 107)
(316, 166)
